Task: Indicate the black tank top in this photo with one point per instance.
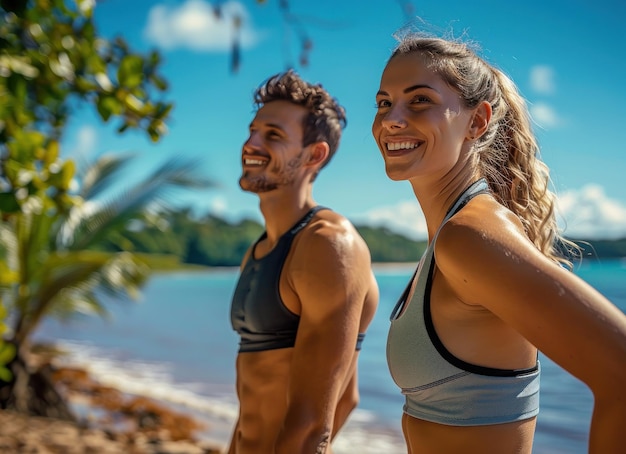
(257, 311)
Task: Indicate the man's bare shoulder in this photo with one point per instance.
(329, 244)
(330, 229)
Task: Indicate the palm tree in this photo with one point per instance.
(60, 267)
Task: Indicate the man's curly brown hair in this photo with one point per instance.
(326, 118)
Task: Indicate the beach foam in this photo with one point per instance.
(214, 405)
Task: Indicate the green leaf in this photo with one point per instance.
(107, 106)
(130, 72)
(52, 152)
(8, 203)
(5, 374)
(7, 353)
(67, 171)
(159, 82)
(154, 133)
(62, 179)
(8, 277)
(85, 85)
(25, 145)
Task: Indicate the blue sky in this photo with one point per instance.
(568, 57)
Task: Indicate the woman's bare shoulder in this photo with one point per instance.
(485, 241)
(482, 223)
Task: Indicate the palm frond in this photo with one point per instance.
(73, 302)
(81, 271)
(58, 267)
(8, 246)
(124, 276)
(90, 223)
(100, 176)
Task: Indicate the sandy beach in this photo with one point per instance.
(107, 421)
(22, 434)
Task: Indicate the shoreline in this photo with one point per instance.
(384, 267)
(214, 414)
(392, 266)
(107, 419)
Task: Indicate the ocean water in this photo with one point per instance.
(176, 344)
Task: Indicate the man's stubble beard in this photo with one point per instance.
(265, 183)
(257, 185)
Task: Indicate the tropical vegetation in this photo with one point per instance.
(209, 240)
(54, 214)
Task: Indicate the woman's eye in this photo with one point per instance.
(382, 103)
(421, 99)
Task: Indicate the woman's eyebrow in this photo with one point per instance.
(417, 87)
(406, 90)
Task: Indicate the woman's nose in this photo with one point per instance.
(394, 119)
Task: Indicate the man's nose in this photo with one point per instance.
(252, 143)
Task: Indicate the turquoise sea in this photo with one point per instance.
(176, 344)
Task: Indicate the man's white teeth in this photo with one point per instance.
(253, 162)
(401, 146)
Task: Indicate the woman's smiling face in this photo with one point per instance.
(421, 125)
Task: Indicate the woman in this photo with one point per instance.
(492, 287)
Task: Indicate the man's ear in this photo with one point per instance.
(318, 153)
(480, 120)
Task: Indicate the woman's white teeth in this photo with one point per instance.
(401, 146)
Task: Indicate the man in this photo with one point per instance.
(306, 292)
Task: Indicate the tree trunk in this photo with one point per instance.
(32, 392)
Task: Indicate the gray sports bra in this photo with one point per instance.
(438, 386)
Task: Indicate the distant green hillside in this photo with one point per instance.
(212, 241)
(606, 249)
(388, 246)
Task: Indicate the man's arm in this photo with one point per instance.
(330, 275)
(232, 447)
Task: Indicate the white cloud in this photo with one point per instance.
(542, 79)
(86, 140)
(542, 82)
(589, 214)
(405, 217)
(194, 25)
(218, 205)
(544, 115)
(586, 213)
